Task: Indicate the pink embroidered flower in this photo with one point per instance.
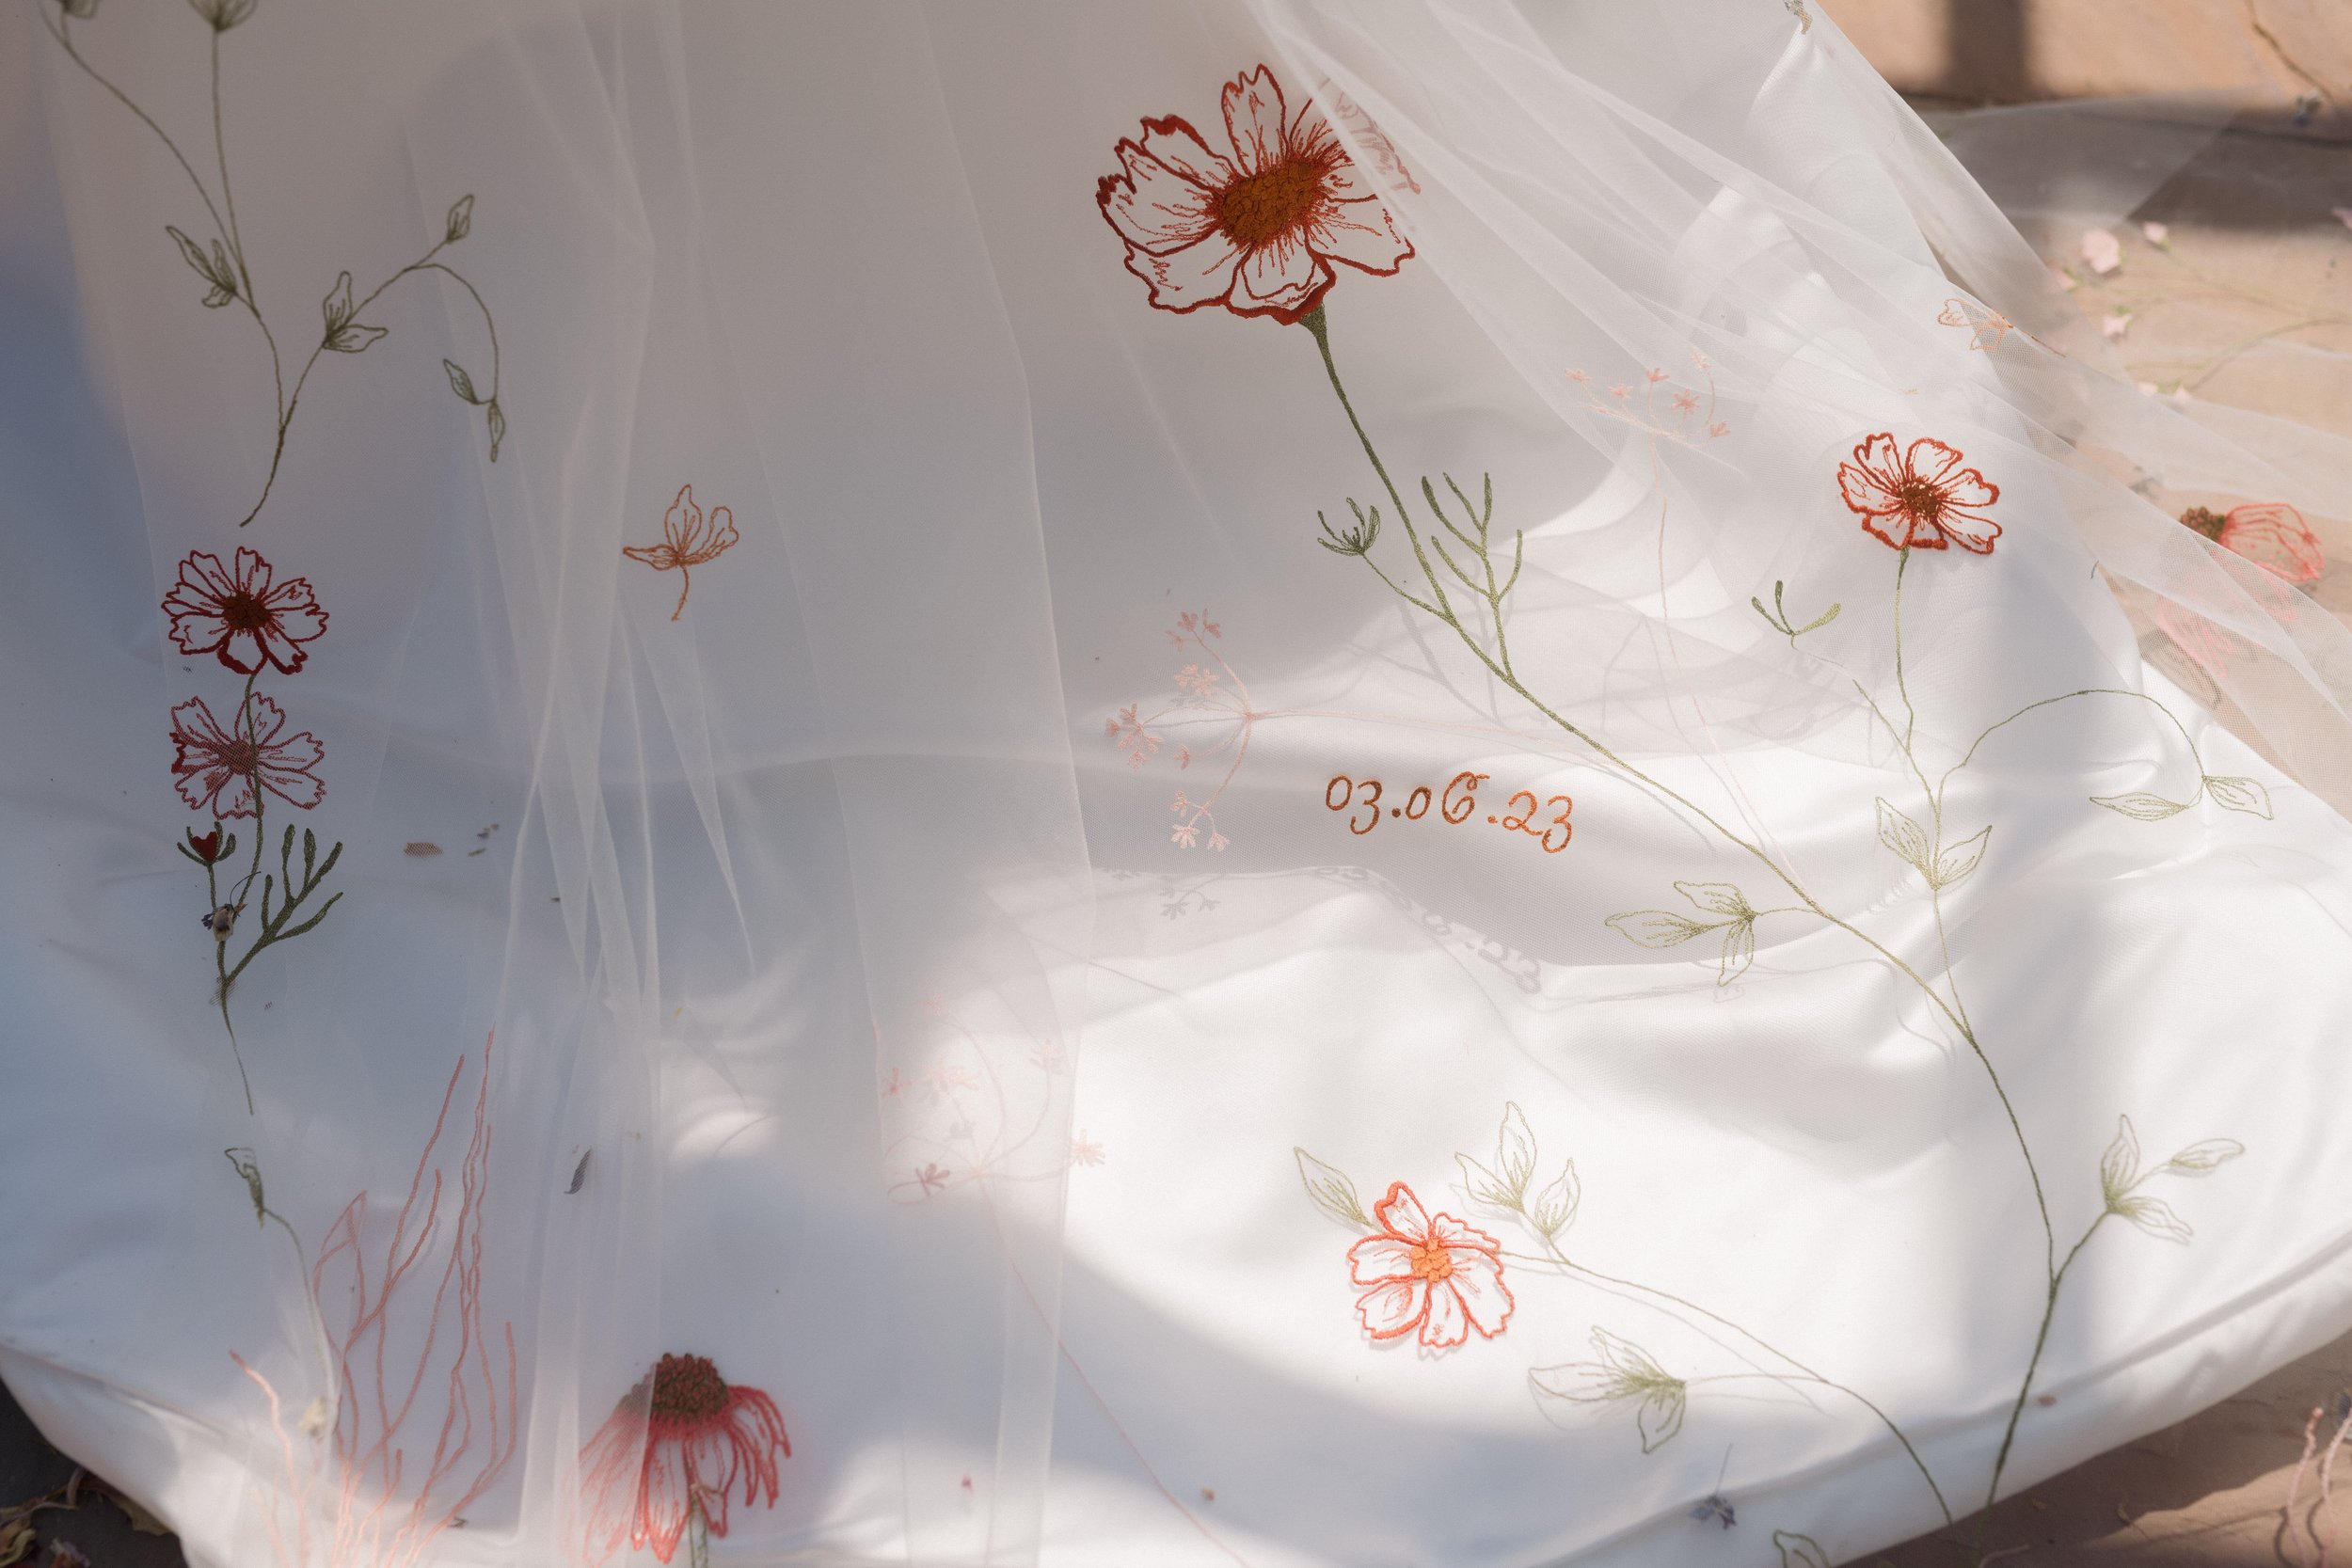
(220, 769)
(240, 616)
(1256, 232)
(2274, 535)
(1920, 498)
(672, 1450)
(687, 541)
(1434, 1273)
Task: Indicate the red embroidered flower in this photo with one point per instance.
(672, 1450)
(240, 616)
(2274, 535)
(1921, 498)
(1437, 1275)
(221, 768)
(206, 847)
(1256, 232)
(687, 541)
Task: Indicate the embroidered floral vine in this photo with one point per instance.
(231, 769)
(216, 253)
(1256, 233)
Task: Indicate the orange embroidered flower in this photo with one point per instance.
(1256, 232)
(221, 771)
(1920, 497)
(240, 615)
(2274, 535)
(1434, 1273)
(687, 541)
(671, 1452)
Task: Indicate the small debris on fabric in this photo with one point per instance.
(421, 849)
(580, 1172)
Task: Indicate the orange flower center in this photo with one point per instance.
(688, 1389)
(1432, 1263)
(1260, 208)
(244, 612)
(1922, 500)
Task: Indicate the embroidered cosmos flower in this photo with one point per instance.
(672, 1450)
(221, 768)
(1920, 498)
(1434, 1273)
(241, 615)
(1256, 232)
(2274, 535)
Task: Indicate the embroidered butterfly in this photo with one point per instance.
(1986, 327)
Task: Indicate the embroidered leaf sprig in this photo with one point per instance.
(343, 335)
(2120, 1176)
(1782, 622)
(1734, 918)
(460, 221)
(216, 269)
(1625, 1373)
(223, 14)
(2238, 794)
(1330, 1189)
(1355, 541)
(2229, 791)
(1504, 1184)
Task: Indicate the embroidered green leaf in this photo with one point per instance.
(460, 220)
(1780, 621)
(2236, 794)
(1331, 1191)
(1905, 837)
(2142, 806)
(498, 428)
(2118, 1168)
(1716, 898)
(1738, 951)
(1515, 1150)
(1554, 1208)
(2203, 1158)
(1799, 1551)
(1960, 860)
(1484, 1186)
(1355, 541)
(213, 269)
(245, 1163)
(343, 335)
(223, 14)
(1659, 928)
(460, 382)
(2154, 1217)
(1625, 1371)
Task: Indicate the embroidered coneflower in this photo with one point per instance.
(1256, 232)
(1429, 1272)
(221, 768)
(687, 541)
(241, 615)
(662, 1467)
(1919, 497)
(2273, 535)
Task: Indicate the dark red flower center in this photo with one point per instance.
(240, 756)
(1260, 208)
(687, 1390)
(1922, 500)
(242, 611)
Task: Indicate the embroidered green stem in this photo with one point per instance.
(328, 337)
(698, 1535)
(220, 993)
(1553, 1253)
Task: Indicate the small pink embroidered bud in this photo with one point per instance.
(207, 846)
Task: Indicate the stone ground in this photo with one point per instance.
(2255, 272)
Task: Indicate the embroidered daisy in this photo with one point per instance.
(1434, 1273)
(1920, 498)
(1257, 231)
(221, 770)
(240, 615)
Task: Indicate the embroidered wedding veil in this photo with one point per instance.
(1283, 783)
